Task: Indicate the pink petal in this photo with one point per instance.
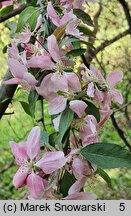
(51, 161)
(36, 185)
(73, 82)
(113, 78)
(56, 122)
(25, 36)
(60, 81)
(57, 105)
(92, 123)
(53, 48)
(47, 86)
(30, 79)
(80, 167)
(78, 107)
(67, 17)
(90, 89)
(71, 29)
(81, 196)
(16, 68)
(87, 140)
(117, 96)
(52, 14)
(20, 152)
(33, 143)
(13, 51)
(20, 176)
(12, 81)
(42, 61)
(77, 186)
(39, 22)
(85, 131)
(96, 73)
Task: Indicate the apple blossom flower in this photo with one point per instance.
(26, 35)
(57, 103)
(25, 154)
(60, 61)
(95, 78)
(69, 20)
(21, 75)
(88, 131)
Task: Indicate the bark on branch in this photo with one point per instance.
(13, 13)
(125, 6)
(120, 131)
(6, 94)
(107, 43)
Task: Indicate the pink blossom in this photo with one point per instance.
(96, 77)
(26, 35)
(21, 75)
(13, 51)
(80, 167)
(69, 19)
(45, 62)
(88, 131)
(58, 104)
(78, 106)
(25, 154)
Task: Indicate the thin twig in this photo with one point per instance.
(42, 113)
(120, 132)
(13, 13)
(120, 108)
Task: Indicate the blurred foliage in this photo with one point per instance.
(17, 125)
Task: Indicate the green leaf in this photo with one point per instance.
(66, 183)
(92, 110)
(44, 140)
(32, 98)
(28, 17)
(86, 31)
(33, 3)
(83, 16)
(60, 31)
(107, 155)
(105, 176)
(26, 107)
(68, 40)
(65, 121)
(53, 139)
(76, 52)
(6, 10)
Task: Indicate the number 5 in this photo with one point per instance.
(122, 206)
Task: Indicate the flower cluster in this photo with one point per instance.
(39, 61)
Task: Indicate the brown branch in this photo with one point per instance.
(6, 94)
(120, 131)
(13, 13)
(106, 43)
(127, 12)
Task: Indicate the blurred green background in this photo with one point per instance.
(16, 127)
